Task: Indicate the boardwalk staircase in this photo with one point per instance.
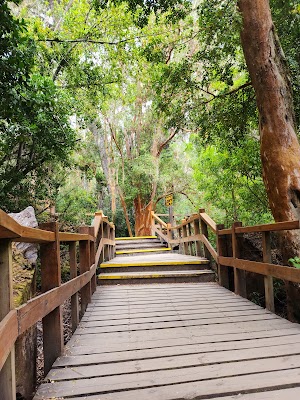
(147, 259)
(183, 340)
(142, 245)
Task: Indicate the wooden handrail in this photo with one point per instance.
(161, 235)
(277, 271)
(74, 237)
(266, 268)
(160, 221)
(47, 305)
(275, 227)
(38, 307)
(8, 335)
(211, 223)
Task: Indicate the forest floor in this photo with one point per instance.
(67, 336)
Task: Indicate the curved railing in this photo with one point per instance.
(191, 235)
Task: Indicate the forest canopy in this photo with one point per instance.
(111, 105)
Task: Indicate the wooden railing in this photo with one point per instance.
(93, 245)
(191, 235)
(230, 256)
(193, 239)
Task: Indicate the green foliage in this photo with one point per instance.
(131, 72)
(35, 133)
(231, 182)
(142, 9)
(286, 15)
(76, 205)
(295, 262)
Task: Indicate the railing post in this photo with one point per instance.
(184, 235)
(74, 298)
(189, 231)
(114, 239)
(111, 247)
(152, 223)
(7, 373)
(204, 232)
(50, 278)
(161, 230)
(105, 246)
(85, 263)
(169, 234)
(199, 252)
(239, 275)
(181, 251)
(92, 258)
(268, 280)
(223, 271)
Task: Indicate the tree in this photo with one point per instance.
(34, 126)
(280, 149)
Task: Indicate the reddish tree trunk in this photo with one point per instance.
(143, 217)
(280, 150)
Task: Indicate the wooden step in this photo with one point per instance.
(167, 258)
(139, 245)
(139, 263)
(168, 267)
(147, 250)
(136, 238)
(156, 276)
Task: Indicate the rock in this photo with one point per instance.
(24, 288)
(27, 218)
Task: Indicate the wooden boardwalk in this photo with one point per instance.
(177, 341)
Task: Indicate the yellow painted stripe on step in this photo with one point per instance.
(136, 237)
(143, 250)
(154, 263)
(146, 276)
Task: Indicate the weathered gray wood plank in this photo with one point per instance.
(173, 362)
(115, 346)
(234, 385)
(209, 374)
(131, 326)
(129, 319)
(188, 348)
(177, 342)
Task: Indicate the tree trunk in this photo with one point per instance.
(143, 217)
(123, 203)
(280, 150)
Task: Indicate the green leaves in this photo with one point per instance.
(295, 262)
(34, 119)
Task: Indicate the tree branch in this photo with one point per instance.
(214, 96)
(95, 41)
(167, 141)
(88, 85)
(117, 144)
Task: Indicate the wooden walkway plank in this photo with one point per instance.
(93, 322)
(77, 348)
(177, 342)
(212, 375)
(173, 362)
(181, 331)
(187, 349)
(106, 318)
(131, 326)
(235, 387)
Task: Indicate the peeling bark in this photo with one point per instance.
(280, 150)
(143, 217)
